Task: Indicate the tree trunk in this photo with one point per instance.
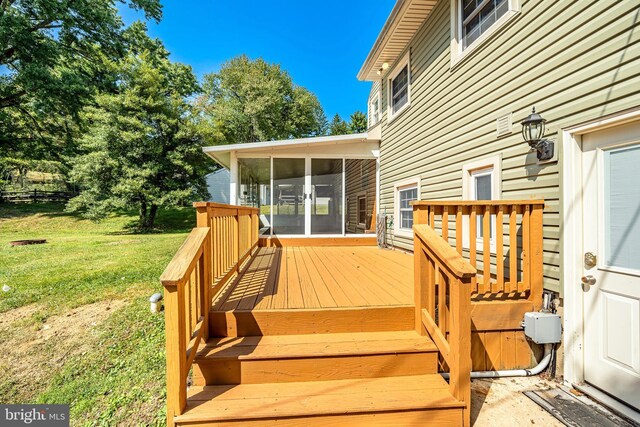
(152, 216)
(143, 215)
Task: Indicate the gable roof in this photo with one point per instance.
(403, 23)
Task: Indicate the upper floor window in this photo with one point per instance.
(400, 88)
(374, 109)
(478, 16)
(473, 21)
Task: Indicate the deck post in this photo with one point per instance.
(420, 265)
(175, 344)
(536, 273)
(460, 342)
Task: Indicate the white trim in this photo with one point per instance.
(271, 195)
(288, 142)
(404, 62)
(377, 200)
(458, 54)
(397, 187)
(571, 238)
(234, 179)
(344, 196)
(376, 96)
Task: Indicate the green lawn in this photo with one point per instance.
(75, 325)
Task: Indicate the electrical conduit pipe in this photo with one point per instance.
(544, 363)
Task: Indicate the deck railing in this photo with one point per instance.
(186, 282)
(210, 257)
(234, 237)
(508, 257)
(443, 306)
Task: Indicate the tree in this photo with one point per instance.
(52, 60)
(142, 148)
(358, 122)
(252, 100)
(338, 126)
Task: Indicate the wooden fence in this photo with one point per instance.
(34, 196)
(210, 257)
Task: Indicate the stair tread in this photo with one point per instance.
(314, 345)
(336, 397)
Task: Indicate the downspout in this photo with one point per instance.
(549, 351)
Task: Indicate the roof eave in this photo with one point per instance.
(374, 53)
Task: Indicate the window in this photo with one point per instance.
(374, 109)
(399, 88)
(362, 211)
(476, 20)
(481, 181)
(478, 16)
(405, 192)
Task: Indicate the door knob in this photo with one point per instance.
(588, 280)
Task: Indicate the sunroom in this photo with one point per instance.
(322, 187)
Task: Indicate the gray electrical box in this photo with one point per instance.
(542, 328)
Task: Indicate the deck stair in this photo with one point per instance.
(344, 378)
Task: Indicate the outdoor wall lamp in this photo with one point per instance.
(384, 67)
(533, 131)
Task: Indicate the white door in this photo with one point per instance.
(611, 232)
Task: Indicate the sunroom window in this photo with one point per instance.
(478, 16)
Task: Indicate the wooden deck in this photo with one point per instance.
(346, 330)
(321, 277)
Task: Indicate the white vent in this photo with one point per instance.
(504, 125)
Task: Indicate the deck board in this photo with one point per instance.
(320, 277)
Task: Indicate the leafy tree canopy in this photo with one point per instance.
(338, 126)
(252, 100)
(142, 148)
(52, 57)
(358, 122)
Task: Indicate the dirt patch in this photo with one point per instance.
(17, 314)
(500, 403)
(31, 357)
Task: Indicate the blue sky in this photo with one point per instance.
(321, 44)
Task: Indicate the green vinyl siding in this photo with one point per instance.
(575, 61)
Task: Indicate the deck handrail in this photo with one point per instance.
(187, 302)
(213, 253)
(234, 238)
(509, 259)
(443, 306)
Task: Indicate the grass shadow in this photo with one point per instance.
(169, 220)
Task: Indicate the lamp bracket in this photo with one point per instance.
(544, 149)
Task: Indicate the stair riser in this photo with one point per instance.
(209, 372)
(295, 322)
(430, 417)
